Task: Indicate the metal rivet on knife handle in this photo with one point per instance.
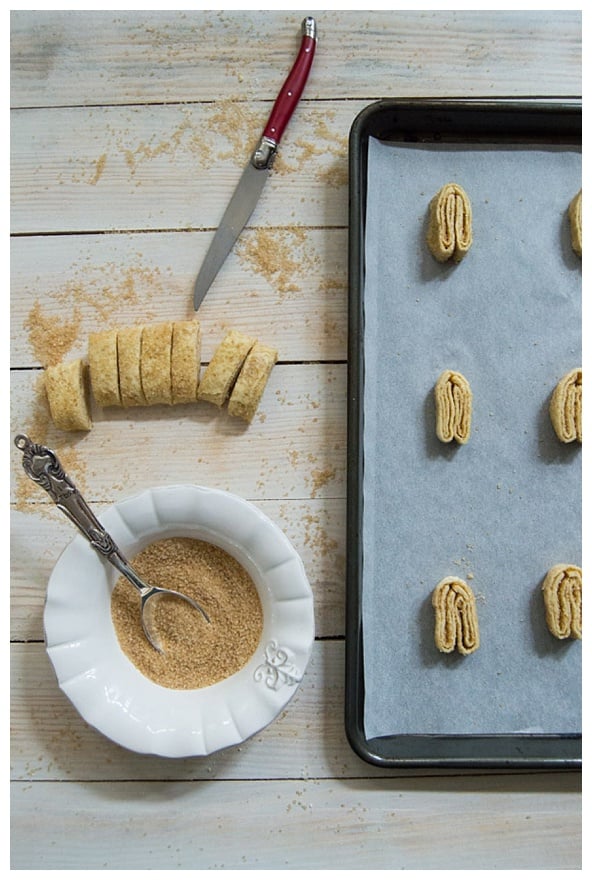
(250, 185)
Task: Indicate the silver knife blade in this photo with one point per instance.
(236, 215)
(255, 174)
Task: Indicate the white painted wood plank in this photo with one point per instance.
(316, 528)
(462, 824)
(285, 286)
(295, 448)
(93, 57)
(307, 740)
(173, 167)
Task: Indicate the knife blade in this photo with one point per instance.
(256, 172)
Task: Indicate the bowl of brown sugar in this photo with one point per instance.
(217, 681)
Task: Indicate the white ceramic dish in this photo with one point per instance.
(111, 694)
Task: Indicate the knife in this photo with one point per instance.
(253, 178)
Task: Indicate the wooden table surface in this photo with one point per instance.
(129, 131)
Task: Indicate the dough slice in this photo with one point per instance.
(224, 367)
(565, 409)
(456, 624)
(562, 594)
(129, 342)
(155, 362)
(575, 223)
(251, 382)
(67, 395)
(185, 361)
(450, 224)
(454, 407)
(104, 371)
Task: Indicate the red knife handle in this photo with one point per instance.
(292, 89)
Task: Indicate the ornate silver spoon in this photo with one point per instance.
(43, 467)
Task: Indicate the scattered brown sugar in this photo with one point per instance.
(320, 478)
(51, 339)
(99, 168)
(196, 653)
(237, 123)
(277, 254)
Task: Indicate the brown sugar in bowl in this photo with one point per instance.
(113, 694)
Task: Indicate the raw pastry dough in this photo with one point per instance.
(565, 408)
(155, 362)
(562, 594)
(251, 381)
(454, 407)
(159, 364)
(104, 371)
(456, 623)
(129, 346)
(185, 361)
(67, 396)
(575, 222)
(221, 372)
(450, 229)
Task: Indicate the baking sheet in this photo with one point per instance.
(500, 511)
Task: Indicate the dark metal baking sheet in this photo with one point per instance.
(428, 122)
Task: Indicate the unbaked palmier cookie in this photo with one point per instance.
(565, 408)
(454, 407)
(575, 223)
(562, 594)
(450, 226)
(456, 624)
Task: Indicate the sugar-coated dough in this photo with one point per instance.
(67, 395)
(562, 594)
(450, 224)
(185, 361)
(129, 346)
(456, 623)
(104, 371)
(565, 408)
(251, 382)
(220, 374)
(454, 407)
(575, 223)
(155, 362)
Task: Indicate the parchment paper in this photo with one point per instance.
(500, 511)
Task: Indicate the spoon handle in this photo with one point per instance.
(44, 467)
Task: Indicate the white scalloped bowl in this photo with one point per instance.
(112, 695)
